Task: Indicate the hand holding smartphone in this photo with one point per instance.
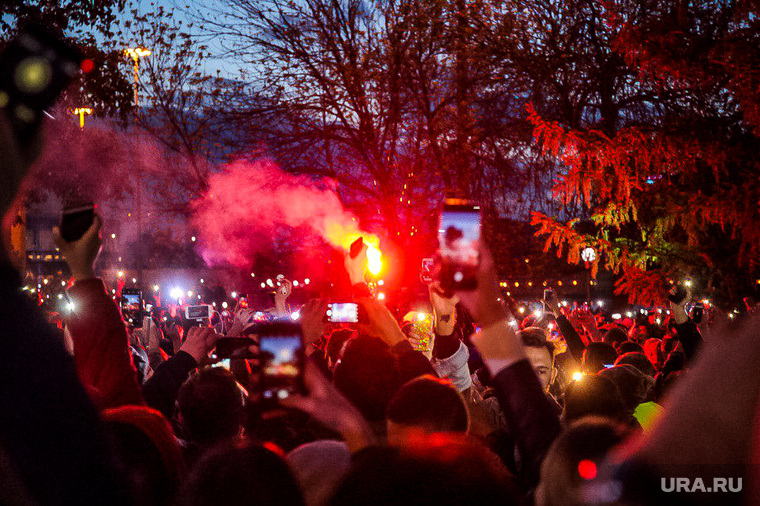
(458, 242)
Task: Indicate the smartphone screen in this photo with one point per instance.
(426, 271)
(199, 312)
(459, 236)
(282, 359)
(131, 307)
(344, 313)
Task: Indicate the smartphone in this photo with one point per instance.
(76, 219)
(697, 312)
(282, 360)
(131, 303)
(356, 247)
(36, 67)
(234, 347)
(458, 237)
(347, 312)
(224, 363)
(427, 271)
(199, 312)
(243, 300)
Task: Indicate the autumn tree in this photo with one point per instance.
(664, 158)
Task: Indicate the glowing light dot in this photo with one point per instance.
(575, 282)
(577, 376)
(70, 306)
(295, 283)
(192, 238)
(156, 288)
(63, 283)
(134, 280)
(234, 295)
(381, 296)
(263, 285)
(421, 316)
(559, 283)
(537, 313)
(307, 281)
(587, 469)
(253, 275)
(60, 296)
(270, 283)
(600, 303)
(176, 293)
(687, 283)
(521, 310)
(45, 281)
(189, 293)
(113, 236)
(381, 282)
(295, 315)
(224, 305)
(517, 283)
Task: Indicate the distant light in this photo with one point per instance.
(45, 281)
(213, 304)
(134, 280)
(731, 315)
(600, 303)
(381, 282)
(307, 281)
(628, 314)
(233, 295)
(564, 303)
(189, 293)
(70, 306)
(587, 469)
(295, 315)
(616, 316)
(156, 288)
(224, 305)
(687, 283)
(176, 293)
(538, 313)
(63, 283)
(113, 290)
(575, 282)
(113, 236)
(295, 282)
(120, 274)
(225, 313)
(199, 296)
(588, 254)
(514, 323)
(60, 295)
(521, 309)
(270, 283)
(658, 321)
(192, 238)
(517, 284)
(577, 376)
(202, 280)
(421, 316)
(381, 296)
(253, 275)
(263, 285)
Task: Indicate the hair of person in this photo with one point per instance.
(440, 469)
(593, 396)
(635, 387)
(211, 406)
(628, 346)
(637, 360)
(336, 341)
(535, 337)
(145, 445)
(240, 474)
(430, 403)
(597, 355)
(588, 440)
(368, 376)
(615, 336)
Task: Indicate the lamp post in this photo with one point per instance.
(81, 111)
(135, 53)
(588, 255)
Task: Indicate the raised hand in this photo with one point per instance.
(355, 267)
(199, 343)
(80, 255)
(381, 322)
(444, 309)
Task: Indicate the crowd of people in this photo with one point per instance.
(468, 405)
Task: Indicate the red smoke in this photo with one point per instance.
(248, 203)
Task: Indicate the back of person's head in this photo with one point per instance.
(596, 356)
(664, 384)
(368, 376)
(335, 344)
(426, 404)
(240, 474)
(637, 360)
(146, 447)
(593, 396)
(571, 463)
(440, 469)
(652, 350)
(629, 346)
(615, 336)
(210, 406)
(634, 386)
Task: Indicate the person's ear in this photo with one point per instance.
(553, 378)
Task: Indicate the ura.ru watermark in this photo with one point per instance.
(680, 485)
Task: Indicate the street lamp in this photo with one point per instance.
(135, 53)
(81, 111)
(588, 255)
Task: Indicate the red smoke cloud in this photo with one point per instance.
(247, 203)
